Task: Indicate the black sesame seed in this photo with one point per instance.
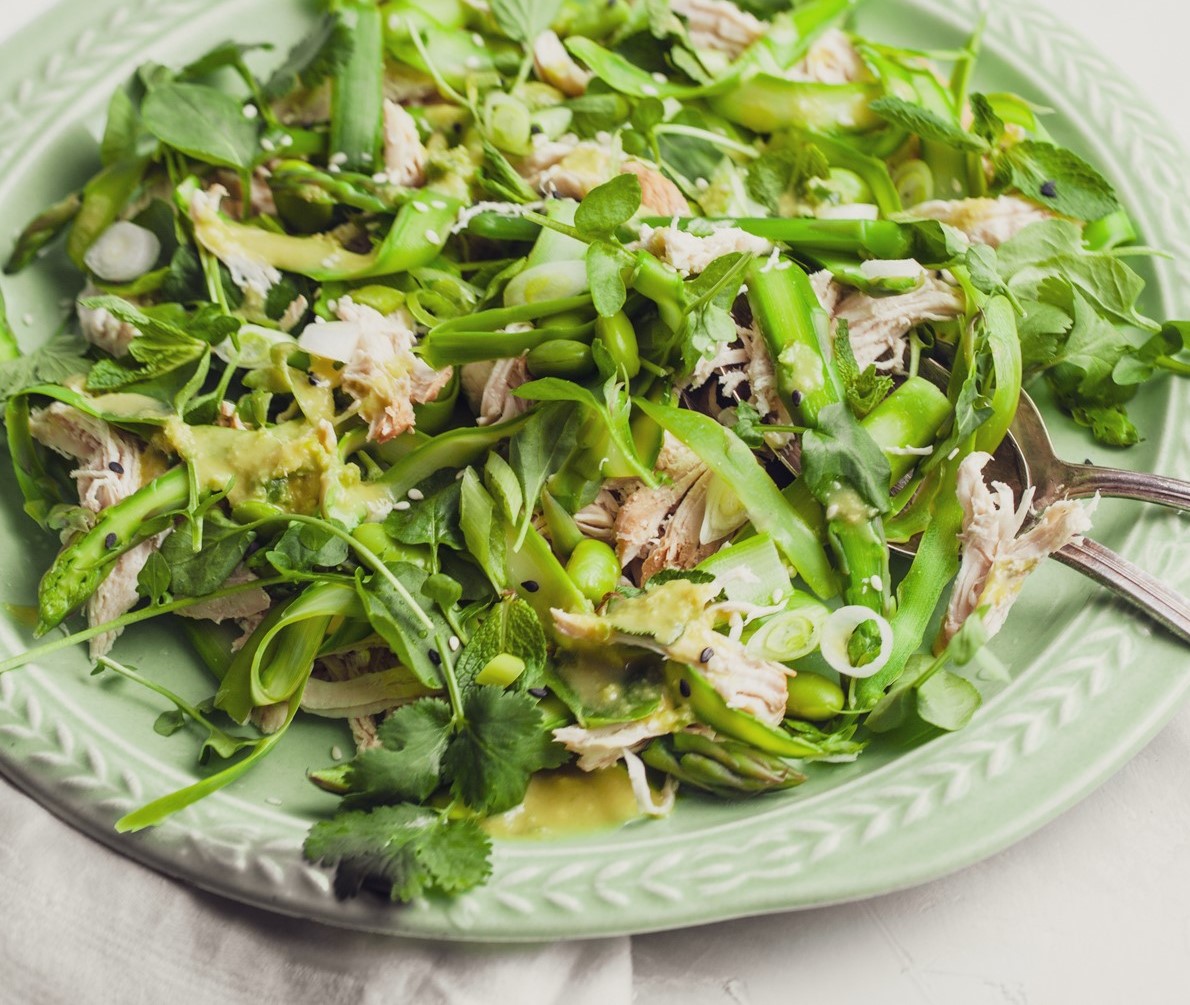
(434, 657)
(312, 379)
(539, 692)
(1049, 190)
(531, 585)
(110, 540)
(115, 466)
(705, 655)
(796, 398)
(535, 129)
(684, 687)
(1088, 461)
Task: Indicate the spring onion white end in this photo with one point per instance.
(724, 513)
(123, 252)
(550, 281)
(792, 634)
(837, 631)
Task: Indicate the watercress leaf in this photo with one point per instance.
(222, 56)
(304, 547)
(403, 851)
(321, 54)
(605, 274)
(838, 451)
(408, 763)
(927, 124)
(403, 624)
(947, 700)
(152, 582)
(524, 20)
(197, 573)
(202, 123)
(1058, 179)
(608, 206)
(496, 749)
(512, 627)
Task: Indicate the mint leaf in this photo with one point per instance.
(605, 208)
(403, 851)
(61, 357)
(512, 626)
(496, 750)
(778, 174)
(864, 389)
(1058, 179)
(928, 125)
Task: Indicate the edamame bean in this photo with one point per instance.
(594, 568)
(813, 697)
(619, 337)
(561, 358)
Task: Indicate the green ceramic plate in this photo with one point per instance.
(1090, 682)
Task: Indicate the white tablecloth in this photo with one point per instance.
(1093, 909)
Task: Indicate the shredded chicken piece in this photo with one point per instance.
(555, 66)
(601, 746)
(598, 518)
(986, 221)
(237, 607)
(347, 666)
(997, 557)
(405, 155)
(488, 387)
(100, 327)
(691, 254)
(762, 375)
(680, 546)
(643, 513)
(109, 471)
(828, 291)
(383, 375)
(247, 627)
(833, 59)
(546, 154)
(878, 326)
(719, 25)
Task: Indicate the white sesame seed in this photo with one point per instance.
(287, 140)
(432, 237)
(332, 305)
(402, 505)
(473, 62)
(438, 204)
(420, 206)
(701, 184)
(338, 158)
(380, 177)
(334, 169)
(953, 454)
(267, 144)
(460, 474)
(395, 22)
(661, 78)
(273, 801)
(251, 111)
(454, 643)
(649, 91)
(877, 583)
(319, 319)
(336, 753)
(416, 495)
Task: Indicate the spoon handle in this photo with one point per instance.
(1083, 481)
(1165, 606)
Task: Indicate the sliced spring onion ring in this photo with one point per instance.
(724, 513)
(837, 631)
(792, 634)
(123, 252)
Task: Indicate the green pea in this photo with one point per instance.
(813, 697)
(380, 298)
(373, 537)
(561, 358)
(620, 339)
(594, 568)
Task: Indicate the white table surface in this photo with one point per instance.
(1094, 908)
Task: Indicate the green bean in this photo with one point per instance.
(357, 90)
(561, 358)
(501, 227)
(103, 198)
(619, 338)
(496, 318)
(594, 568)
(306, 181)
(41, 230)
(724, 768)
(866, 238)
(455, 347)
(872, 170)
(662, 284)
(85, 562)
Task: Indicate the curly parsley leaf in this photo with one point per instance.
(404, 851)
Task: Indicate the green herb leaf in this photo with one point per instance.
(432, 520)
(840, 451)
(928, 125)
(483, 533)
(61, 357)
(782, 174)
(152, 582)
(224, 544)
(609, 206)
(512, 626)
(539, 450)
(202, 123)
(321, 54)
(1059, 179)
(524, 20)
(405, 851)
(864, 389)
(306, 547)
(408, 764)
(399, 624)
(947, 700)
(606, 261)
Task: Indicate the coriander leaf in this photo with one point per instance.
(928, 125)
(305, 547)
(202, 123)
(1108, 423)
(321, 54)
(408, 764)
(864, 389)
(1042, 328)
(1058, 179)
(512, 627)
(749, 426)
(608, 206)
(152, 582)
(840, 451)
(223, 56)
(1092, 350)
(605, 274)
(496, 750)
(403, 851)
(524, 20)
(396, 621)
(61, 357)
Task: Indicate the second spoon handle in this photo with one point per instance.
(1161, 603)
(1083, 481)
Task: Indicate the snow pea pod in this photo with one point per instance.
(768, 103)
(455, 347)
(769, 511)
(37, 485)
(725, 768)
(84, 563)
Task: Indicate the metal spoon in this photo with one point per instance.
(1027, 457)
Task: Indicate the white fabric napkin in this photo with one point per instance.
(81, 923)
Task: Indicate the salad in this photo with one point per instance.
(539, 388)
